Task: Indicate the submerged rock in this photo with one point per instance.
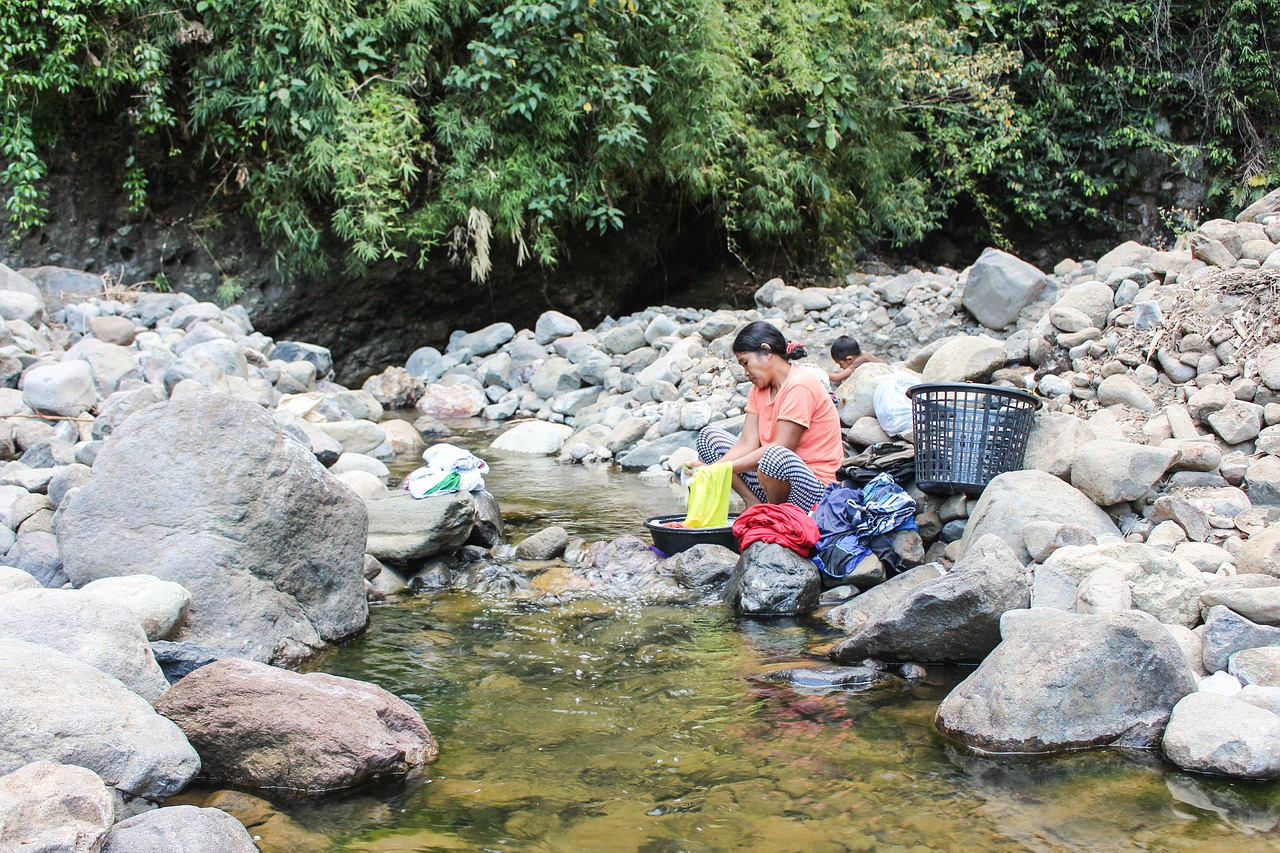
(826, 678)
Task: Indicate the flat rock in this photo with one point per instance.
(404, 528)
(1260, 605)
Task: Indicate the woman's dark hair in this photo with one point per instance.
(843, 347)
(759, 336)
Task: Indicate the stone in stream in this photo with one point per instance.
(826, 678)
(269, 544)
(1071, 682)
(263, 727)
(546, 544)
(88, 718)
(180, 829)
(1209, 733)
(48, 807)
(953, 618)
(703, 567)
(772, 580)
(404, 528)
(853, 614)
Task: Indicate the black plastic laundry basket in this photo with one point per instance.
(966, 434)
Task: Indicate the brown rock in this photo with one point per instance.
(263, 727)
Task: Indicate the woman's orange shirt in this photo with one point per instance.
(802, 400)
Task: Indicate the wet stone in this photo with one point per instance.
(831, 677)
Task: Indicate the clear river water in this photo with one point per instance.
(615, 726)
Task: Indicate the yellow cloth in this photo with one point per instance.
(709, 496)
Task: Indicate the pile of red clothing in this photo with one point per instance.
(783, 524)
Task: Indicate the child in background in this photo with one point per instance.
(848, 356)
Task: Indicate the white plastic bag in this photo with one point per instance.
(893, 406)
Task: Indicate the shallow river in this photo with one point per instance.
(618, 727)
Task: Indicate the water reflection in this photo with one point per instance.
(617, 727)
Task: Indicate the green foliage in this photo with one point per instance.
(395, 128)
(1108, 89)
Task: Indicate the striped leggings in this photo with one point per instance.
(778, 462)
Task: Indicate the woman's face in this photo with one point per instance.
(756, 366)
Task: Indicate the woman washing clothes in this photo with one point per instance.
(791, 443)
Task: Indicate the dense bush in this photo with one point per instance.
(403, 127)
(1103, 84)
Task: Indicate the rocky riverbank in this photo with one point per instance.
(183, 496)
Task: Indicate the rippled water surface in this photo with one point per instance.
(620, 727)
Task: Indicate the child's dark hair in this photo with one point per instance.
(759, 336)
(843, 347)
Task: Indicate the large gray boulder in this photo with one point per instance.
(772, 580)
(1013, 500)
(264, 727)
(47, 807)
(180, 829)
(999, 287)
(1071, 682)
(101, 633)
(209, 492)
(1210, 733)
(953, 618)
(58, 708)
(403, 528)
